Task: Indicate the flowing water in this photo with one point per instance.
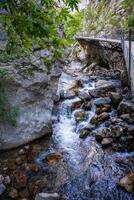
(91, 172)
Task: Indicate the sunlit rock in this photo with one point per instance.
(127, 182)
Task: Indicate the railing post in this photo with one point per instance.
(130, 35)
(122, 40)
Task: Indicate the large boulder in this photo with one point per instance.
(31, 89)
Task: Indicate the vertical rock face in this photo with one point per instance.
(31, 89)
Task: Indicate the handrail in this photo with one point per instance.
(129, 52)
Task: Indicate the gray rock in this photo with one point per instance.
(115, 97)
(2, 189)
(102, 101)
(69, 95)
(125, 108)
(103, 116)
(84, 95)
(104, 89)
(47, 196)
(30, 88)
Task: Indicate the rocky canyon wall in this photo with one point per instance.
(31, 88)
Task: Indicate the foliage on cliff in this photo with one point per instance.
(104, 16)
(33, 22)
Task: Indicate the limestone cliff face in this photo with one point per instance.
(31, 88)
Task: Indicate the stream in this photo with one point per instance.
(91, 172)
(76, 168)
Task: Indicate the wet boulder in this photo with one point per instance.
(103, 133)
(84, 95)
(106, 108)
(116, 97)
(103, 116)
(80, 116)
(47, 196)
(103, 90)
(101, 109)
(94, 120)
(87, 105)
(102, 101)
(100, 135)
(85, 132)
(127, 182)
(125, 107)
(106, 142)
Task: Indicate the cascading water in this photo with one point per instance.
(92, 174)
